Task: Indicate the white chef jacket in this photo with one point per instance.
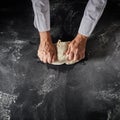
(92, 14)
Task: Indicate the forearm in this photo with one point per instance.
(41, 10)
(92, 14)
(45, 36)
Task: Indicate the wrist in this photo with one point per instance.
(80, 37)
(45, 36)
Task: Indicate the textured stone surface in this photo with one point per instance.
(31, 90)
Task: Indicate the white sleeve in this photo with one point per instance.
(41, 10)
(92, 14)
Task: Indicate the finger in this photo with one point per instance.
(54, 58)
(41, 59)
(68, 51)
(71, 56)
(76, 57)
(44, 59)
(49, 58)
(39, 56)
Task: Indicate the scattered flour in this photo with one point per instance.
(5, 101)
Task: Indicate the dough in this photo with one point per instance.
(61, 57)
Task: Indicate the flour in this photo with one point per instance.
(15, 49)
(5, 101)
(107, 95)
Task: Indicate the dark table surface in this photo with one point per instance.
(31, 90)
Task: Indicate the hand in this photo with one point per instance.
(76, 48)
(46, 50)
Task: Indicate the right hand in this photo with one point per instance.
(46, 51)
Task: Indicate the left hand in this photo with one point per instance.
(76, 48)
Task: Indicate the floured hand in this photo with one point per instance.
(76, 48)
(46, 50)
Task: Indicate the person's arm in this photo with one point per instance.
(46, 50)
(41, 10)
(92, 14)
